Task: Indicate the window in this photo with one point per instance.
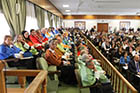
(31, 21)
(4, 28)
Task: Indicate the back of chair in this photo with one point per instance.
(78, 77)
(41, 63)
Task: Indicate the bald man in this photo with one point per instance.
(134, 65)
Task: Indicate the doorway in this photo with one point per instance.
(102, 27)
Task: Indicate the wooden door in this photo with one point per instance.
(102, 27)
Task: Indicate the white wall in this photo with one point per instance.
(112, 23)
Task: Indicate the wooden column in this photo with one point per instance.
(2, 79)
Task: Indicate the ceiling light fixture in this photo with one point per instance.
(65, 5)
(67, 10)
(68, 13)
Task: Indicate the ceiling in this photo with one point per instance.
(98, 7)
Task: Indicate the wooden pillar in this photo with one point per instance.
(2, 79)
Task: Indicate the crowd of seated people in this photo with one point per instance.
(90, 69)
(122, 47)
(55, 44)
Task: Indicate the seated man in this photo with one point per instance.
(52, 57)
(7, 49)
(61, 46)
(67, 70)
(36, 40)
(90, 73)
(134, 67)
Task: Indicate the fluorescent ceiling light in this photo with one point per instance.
(68, 13)
(65, 5)
(67, 10)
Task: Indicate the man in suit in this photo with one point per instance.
(134, 66)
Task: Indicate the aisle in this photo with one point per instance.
(70, 89)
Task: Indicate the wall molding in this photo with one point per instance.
(100, 17)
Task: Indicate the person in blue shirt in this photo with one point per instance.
(7, 49)
(125, 59)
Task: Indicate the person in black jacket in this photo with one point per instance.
(134, 66)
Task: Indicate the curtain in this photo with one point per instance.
(46, 20)
(55, 20)
(40, 15)
(15, 15)
(50, 19)
(0, 6)
(60, 22)
(31, 20)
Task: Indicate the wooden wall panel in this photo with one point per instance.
(47, 5)
(99, 17)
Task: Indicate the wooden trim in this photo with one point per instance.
(39, 79)
(100, 17)
(2, 79)
(47, 5)
(21, 72)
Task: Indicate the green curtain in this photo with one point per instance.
(0, 6)
(50, 20)
(15, 20)
(60, 22)
(40, 15)
(55, 20)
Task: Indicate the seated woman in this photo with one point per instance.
(32, 46)
(7, 49)
(125, 59)
(22, 45)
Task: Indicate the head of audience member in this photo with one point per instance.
(25, 34)
(33, 32)
(53, 44)
(8, 40)
(83, 52)
(19, 38)
(85, 58)
(59, 39)
(125, 54)
(136, 58)
(38, 32)
(43, 30)
(52, 28)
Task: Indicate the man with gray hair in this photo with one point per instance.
(52, 57)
